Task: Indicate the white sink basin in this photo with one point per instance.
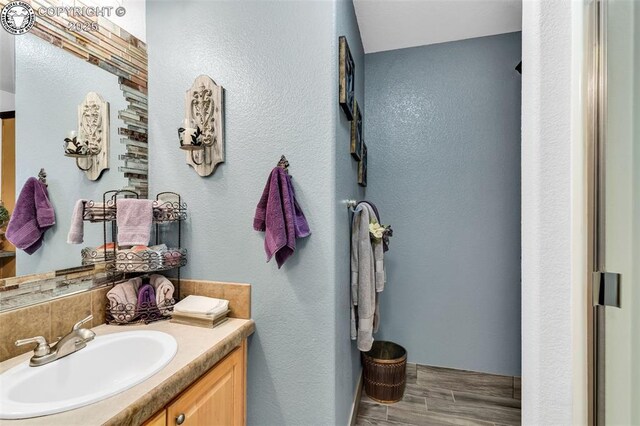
(108, 365)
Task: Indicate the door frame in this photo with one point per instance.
(596, 65)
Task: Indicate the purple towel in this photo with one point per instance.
(32, 216)
(146, 304)
(299, 221)
(280, 217)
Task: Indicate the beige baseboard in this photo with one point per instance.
(356, 401)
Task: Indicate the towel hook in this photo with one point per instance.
(284, 164)
(42, 177)
(351, 205)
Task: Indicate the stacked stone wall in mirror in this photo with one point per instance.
(55, 70)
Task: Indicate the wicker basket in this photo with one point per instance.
(385, 371)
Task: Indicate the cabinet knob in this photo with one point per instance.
(180, 418)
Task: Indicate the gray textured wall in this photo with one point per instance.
(50, 83)
(442, 124)
(636, 237)
(346, 187)
(278, 64)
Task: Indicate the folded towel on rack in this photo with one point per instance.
(98, 212)
(280, 217)
(76, 232)
(146, 306)
(123, 300)
(134, 218)
(98, 254)
(137, 249)
(143, 258)
(32, 216)
(164, 290)
(203, 305)
(106, 247)
(165, 212)
(171, 258)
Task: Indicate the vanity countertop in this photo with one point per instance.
(199, 349)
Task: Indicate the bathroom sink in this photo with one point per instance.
(108, 365)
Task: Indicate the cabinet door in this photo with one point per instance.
(217, 399)
(159, 419)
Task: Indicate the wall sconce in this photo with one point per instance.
(77, 148)
(190, 136)
(90, 146)
(202, 132)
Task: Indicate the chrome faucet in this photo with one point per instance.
(45, 353)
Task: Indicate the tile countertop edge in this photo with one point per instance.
(158, 397)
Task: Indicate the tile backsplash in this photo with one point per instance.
(19, 292)
(51, 319)
(54, 318)
(238, 294)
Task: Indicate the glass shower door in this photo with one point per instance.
(618, 216)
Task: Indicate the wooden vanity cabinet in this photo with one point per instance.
(218, 398)
(158, 419)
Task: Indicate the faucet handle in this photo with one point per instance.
(79, 323)
(43, 347)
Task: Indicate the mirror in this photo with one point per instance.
(50, 84)
(58, 65)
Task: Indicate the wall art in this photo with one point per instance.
(356, 132)
(362, 166)
(347, 77)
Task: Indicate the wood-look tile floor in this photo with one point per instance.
(442, 396)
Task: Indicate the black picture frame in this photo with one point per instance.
(356, 132)
(347, 78)
(362, 166)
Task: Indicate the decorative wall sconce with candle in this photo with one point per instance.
(90, 144)
(202, 131)
(190, 136)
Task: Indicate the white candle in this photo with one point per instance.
(69, 145)
(188, 135)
